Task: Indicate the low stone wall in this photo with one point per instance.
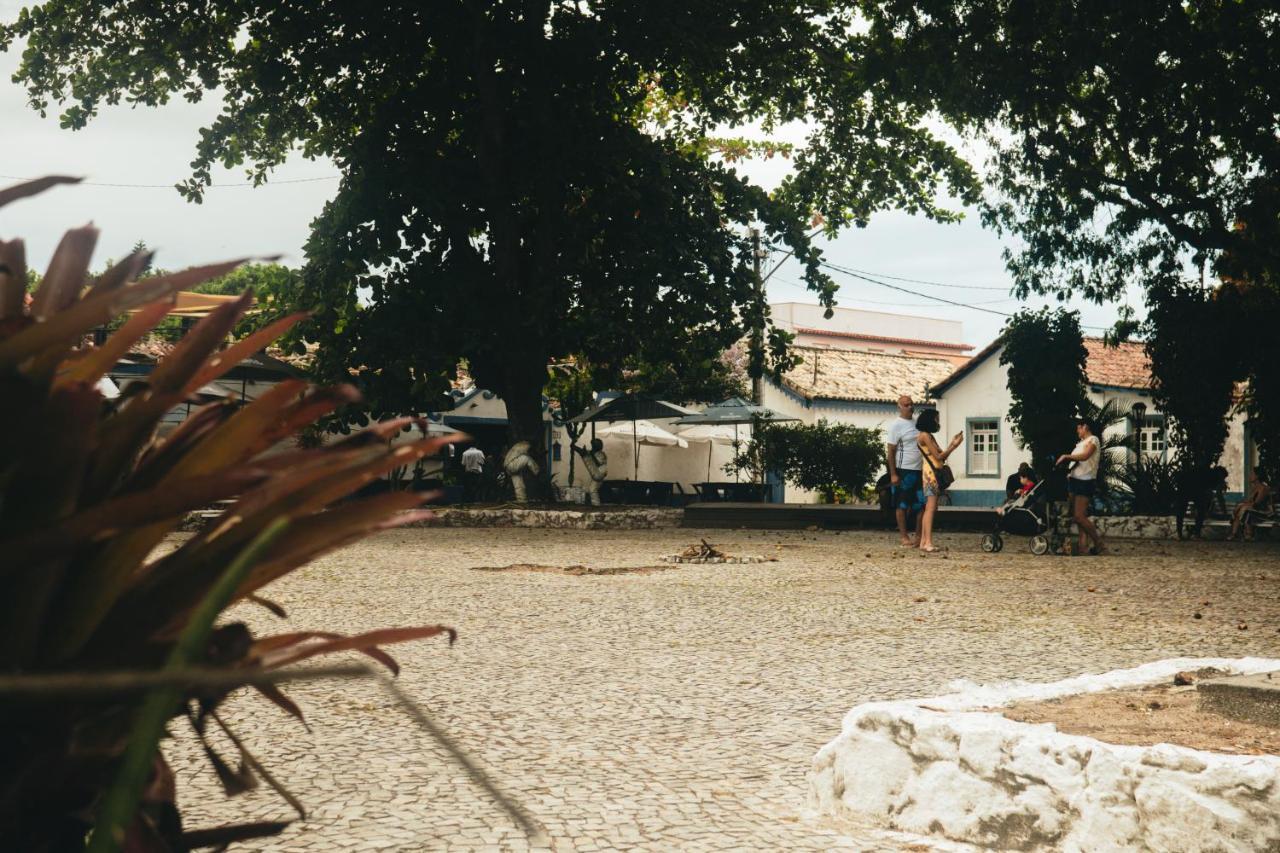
(945, 767)
(1137, 526)
(647, 518)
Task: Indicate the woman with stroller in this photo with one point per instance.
(1082, 483)
(934, 458)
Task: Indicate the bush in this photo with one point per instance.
(822, 457)
(1149, 488)
(93, 613)
(1044, 351)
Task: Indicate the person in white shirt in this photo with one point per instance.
(902, 455)
(472, 472)
(1082, 483)
(473, 460)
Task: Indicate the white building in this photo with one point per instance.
(872, 331)
(975, 399)
(853, 387)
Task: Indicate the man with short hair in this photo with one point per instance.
(472, 472)
(902, 455)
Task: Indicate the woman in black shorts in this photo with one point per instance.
(1082, 482)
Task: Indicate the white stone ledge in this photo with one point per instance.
(944, 767)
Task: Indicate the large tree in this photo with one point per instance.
(1128, 138)
(1132, 144)
(520, 180)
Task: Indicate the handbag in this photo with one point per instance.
(944, 476)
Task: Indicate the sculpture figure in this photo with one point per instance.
(596, 461)
(519, 464)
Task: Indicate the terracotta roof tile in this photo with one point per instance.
(1124, 366)
(836, 374)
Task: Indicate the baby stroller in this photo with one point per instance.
(1030, 515)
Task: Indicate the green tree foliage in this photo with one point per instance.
(1127, 137)
(521, 181)
(822, 457)
(1131, 142)
(1255, 333)
(1044, 352)
(1194, 360)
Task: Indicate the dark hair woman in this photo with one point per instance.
(934, 458)
(1082, 483)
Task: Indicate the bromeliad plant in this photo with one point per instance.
(88, 490)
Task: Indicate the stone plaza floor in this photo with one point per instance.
(679, 710)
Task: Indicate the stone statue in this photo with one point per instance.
(596, 461)
(519, 464)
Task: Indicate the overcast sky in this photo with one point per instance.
(155, 147)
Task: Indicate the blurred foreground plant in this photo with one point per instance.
(87, 600)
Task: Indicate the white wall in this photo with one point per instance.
(983, 393)
(857, 321)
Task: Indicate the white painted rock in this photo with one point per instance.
(942, 767)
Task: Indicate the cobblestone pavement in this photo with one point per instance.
(678, 710)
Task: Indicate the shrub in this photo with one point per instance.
(87, 493)
(1149, 488)
(1044, 351)
(822, 457)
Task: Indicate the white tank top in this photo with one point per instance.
(1088, 469)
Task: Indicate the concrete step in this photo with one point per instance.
(1251, 698)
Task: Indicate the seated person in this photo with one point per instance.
(1026, 482)
(1013, 485)
(1258, 501)
(884, 494)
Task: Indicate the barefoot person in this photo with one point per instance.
(902, 456)
(1082, 482)
(934, 458)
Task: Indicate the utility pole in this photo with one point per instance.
(757, 333)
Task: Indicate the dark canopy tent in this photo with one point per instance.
(630, 407)
(735, 410)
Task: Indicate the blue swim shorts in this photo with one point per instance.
(907, 494)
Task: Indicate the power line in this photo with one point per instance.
(800, 286)
(934, 298)
(171, 186)
(916, 292)
(920, 280)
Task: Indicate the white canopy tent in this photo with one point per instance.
(712, 434)
(640, 432)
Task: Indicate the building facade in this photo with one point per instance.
(975, 400)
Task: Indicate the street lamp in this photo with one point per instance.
(1139, 415)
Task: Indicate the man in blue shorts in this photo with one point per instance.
(903, 457)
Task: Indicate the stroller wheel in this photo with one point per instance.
(989, 543)
(1039, 545)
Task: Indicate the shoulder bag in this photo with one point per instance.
(944, 476)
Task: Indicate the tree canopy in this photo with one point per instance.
(521, 181)
(1044, 351)
(1128, 139)
(1131, 144)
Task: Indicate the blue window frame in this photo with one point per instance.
(982, 448)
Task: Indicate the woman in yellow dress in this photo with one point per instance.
(934, 458)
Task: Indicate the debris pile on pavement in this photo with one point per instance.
(705, 552)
